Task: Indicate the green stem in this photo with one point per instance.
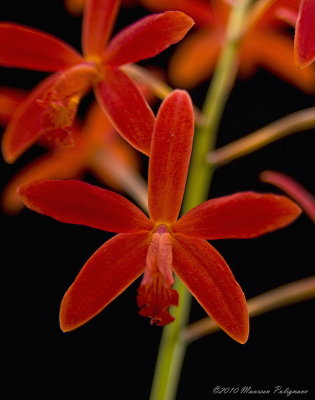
(173, 346)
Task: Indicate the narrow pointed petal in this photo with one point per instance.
(292, 188)
(195, 58)
(59, 165)
(305, 34)
(240, 215)
(110, 270)
(170, 155)
(126, 108)
(99, 17)
(10, 99)
(25, 126)
(209, 279)
(147, 37)
(198, 10)
(23, 47)
(274, 51)
(76, 202)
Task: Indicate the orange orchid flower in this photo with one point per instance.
(161, 244)
(305, 34)
(97, 149)
(265, 43)
(51, 107)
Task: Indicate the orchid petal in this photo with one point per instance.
(170, 154)
(305, 34)
(240, 215)
(195, 58)
(77, 202)
(209, 279)
(63, 164)
(110, 270)
(99, 17)
(25, 126)
(126, 108)
(147, 37)
(23, 47)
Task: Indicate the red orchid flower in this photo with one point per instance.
(305, 34)
(97, 149)
(51, 107)
(265, 42)
(163, 243)
(293, 189)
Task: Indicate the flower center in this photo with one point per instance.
(155, 294)
(61, 100)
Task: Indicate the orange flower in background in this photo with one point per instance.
(265, 43)
(161, 244)
(51, 107)
(97, 149)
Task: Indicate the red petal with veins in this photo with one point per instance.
(99, 17)
(77, 202)
(170, 155)
(305, 34)
(23, 47)
(147, 37)
(25, 126)
(110, 270)
(240, 215)
(198, 10)
(206, 274)
(126, 108)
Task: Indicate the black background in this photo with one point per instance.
(113, 356)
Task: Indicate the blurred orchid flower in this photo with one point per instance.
(265, 41)
(51, 107)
